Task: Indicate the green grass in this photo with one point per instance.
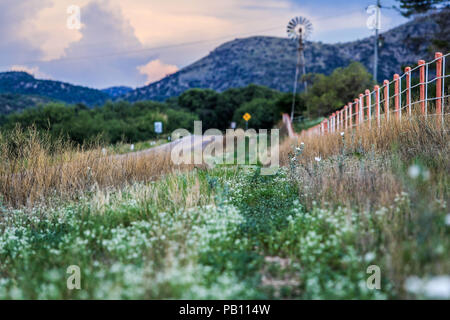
(233, 244)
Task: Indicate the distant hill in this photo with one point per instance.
(24, 83)
(270, 61)
(14, 102)
(115, 92)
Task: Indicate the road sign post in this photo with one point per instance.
(246, 117)
(158, 128)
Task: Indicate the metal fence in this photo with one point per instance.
(395, 98)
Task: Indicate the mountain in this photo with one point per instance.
(25, 84)
(115, 92)
(270, 61)
(14, 102)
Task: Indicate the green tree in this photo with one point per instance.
(264, 114)
(411, 7)
(329, 93)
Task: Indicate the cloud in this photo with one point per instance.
(107, 53)
(15, 16)
(156, 70)
(31, 70)
(115, 44)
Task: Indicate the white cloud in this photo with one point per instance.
(156, 70)
(117, 37)
(31, 70)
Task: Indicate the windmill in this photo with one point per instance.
(299, 29)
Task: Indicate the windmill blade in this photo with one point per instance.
(297, 26)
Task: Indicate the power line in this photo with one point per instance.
(136, 51)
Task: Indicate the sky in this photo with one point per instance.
(136, 42)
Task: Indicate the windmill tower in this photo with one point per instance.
(299, 29)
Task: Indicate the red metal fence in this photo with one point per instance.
(373, 106)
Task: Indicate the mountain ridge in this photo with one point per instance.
(20, 82)
(270, 61)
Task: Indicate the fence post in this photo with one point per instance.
(408, 89)
(438, 84)
(422, 85)
(346, 117)
(396, 94)
(443, 89)
(368, 103)
(342, 118)
(356, 112)
(361, 109)
(386, 99)
(338, 121)
(330, 124)
(350, 115)
(377, 104)
(334, 122)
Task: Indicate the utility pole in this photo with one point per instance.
(377, 27)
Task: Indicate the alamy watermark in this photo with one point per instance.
(74, 280)
(74, 19)
(374, 280)
(239, 147)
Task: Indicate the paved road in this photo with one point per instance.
(189, 144)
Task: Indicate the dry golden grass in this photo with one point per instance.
(36, 169)
(359, 168)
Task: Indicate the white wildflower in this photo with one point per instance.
(318, 159)
(414, 171)
(342, 133)
(369, 256)
(435, 288)
(132, 147)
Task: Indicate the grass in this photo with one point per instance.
(140, 228)
(35, 169)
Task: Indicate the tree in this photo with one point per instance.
(329, 93)
(263, 111)
(411, 7)
(230, 100)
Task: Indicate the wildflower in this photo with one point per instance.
(132, 147)
(436, 287)
(414, 171)
(369, 256)
(318, 159)
(302, 143)
(342, 133)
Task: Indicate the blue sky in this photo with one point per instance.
(135, 42)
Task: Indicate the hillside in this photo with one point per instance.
(270, 61)
(14, 102)
(115, 92)
(24, 83)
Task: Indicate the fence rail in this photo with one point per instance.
(394, 98)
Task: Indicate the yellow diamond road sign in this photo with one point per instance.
(247, 117)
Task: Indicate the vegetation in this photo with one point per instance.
(330, 93)
(112, 123)
(13, 102)
(138, 227)
(25, 83)
(411, 7)
(132, 122)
